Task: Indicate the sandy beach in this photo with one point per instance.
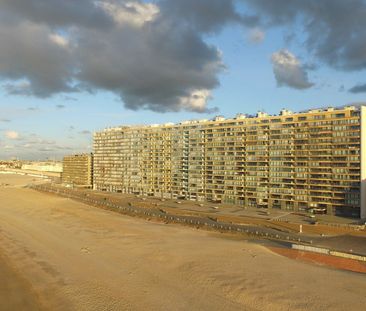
(15, 292)
(64, 255)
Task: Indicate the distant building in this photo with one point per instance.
(54, 167)
(78, 170)
(294, 161)
(14, 164)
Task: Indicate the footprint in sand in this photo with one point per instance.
(85, 250)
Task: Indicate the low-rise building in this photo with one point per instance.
(47, 166)
(15, 164)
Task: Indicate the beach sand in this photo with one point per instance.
(15, 292)
(71, 256)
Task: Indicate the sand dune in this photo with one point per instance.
(77, 257)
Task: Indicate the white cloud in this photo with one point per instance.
(256, 35)
(196, 101)
(59, 40)
(12, 134)
(289, 71)
(131, 13)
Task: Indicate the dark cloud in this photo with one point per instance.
(22, 89)
(205, 16)
(46, 149)
(335, 30)
(5, 120)
(58, 13)
(35, 58)
(33, 108)
(360, 88)
(69, 98)
(85, 132)
(60, 150)
(63, 148)
(172, 70)
(153, 55)
(60, 106)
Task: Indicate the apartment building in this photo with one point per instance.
(293, 161)
(78, 170)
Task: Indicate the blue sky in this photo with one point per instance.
(263, 71)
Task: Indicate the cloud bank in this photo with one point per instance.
(153, 55)
(334, 30)
(32, 146)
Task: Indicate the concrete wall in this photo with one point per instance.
(327, 251)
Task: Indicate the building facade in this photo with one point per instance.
(55, 167)
(291, 161)
(78, 170)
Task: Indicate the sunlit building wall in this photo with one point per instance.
(78, 170)
(291, 161)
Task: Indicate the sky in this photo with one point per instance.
(70, 68)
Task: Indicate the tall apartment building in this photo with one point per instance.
(78, 170)
(291, 161)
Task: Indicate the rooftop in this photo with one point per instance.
(240, 116)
